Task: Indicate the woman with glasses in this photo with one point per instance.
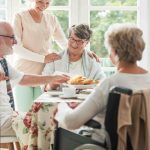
(125, 45)
(75, 59)
(34, 30)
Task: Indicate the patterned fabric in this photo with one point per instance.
(9, 89)
(33, 129)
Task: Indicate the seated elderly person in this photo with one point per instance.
(75, 60)
(10, 120)
(125, 45)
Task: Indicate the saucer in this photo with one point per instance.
(70, 97)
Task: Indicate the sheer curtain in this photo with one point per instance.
(144, 23)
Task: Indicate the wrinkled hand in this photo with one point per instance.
(73, 104)
(93, 55)
(51, 57)
(51, 87)
(59, 79)
(54, 86)
(3, 77)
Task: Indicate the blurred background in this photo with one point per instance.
(98, 13)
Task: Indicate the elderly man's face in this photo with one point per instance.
(7, 41)
(75, 44)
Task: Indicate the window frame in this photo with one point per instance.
(79, 12)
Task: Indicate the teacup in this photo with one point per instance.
(69, 91)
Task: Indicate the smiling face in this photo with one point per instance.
(7, 39)
(41, 5)
(76, 45)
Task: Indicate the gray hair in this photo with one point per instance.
(126, 40)
(82, 31)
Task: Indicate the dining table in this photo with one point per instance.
(38, 120)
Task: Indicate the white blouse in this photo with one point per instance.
(95, 103)
(34, 40)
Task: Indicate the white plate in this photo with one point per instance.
(54, 93)
(64, 97)
(89, 86)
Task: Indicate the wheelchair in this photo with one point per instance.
(67, 140)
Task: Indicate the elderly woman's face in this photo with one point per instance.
(75, 44)
(41, 5)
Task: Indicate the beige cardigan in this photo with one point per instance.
(134, 119)
(34, 40)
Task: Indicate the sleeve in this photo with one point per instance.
(59, 35)
(14, 75)
(94, 104)
(97, 71)
(92, 68)
(48, 70)
(18, 48)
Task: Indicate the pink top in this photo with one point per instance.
(34, 40)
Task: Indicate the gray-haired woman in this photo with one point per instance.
(125, 45)
(75, 59)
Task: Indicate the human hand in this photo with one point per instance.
(51, 57)
(3, 77)
(59, 79)
(93, 55)
(51, 87)
(73, 104)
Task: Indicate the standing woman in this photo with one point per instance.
(34, 31)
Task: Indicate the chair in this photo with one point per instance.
(8, 142)
(112, 115)
(66, 140)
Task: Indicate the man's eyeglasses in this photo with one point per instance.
(78, 42)
(11, 37)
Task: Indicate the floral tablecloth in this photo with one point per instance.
(34, 130)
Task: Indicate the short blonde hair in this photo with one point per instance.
(126, 40)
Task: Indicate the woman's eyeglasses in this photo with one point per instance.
(78, 42)
(11, 37)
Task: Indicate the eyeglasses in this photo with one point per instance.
(11, 37)
(78, 42)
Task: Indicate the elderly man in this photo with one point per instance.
(8, 73)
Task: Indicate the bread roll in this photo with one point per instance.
(81, 80)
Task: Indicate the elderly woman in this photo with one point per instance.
(34, 30)
(125, 45)
(75, 60)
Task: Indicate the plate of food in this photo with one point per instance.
(90, 86)
(81, 82)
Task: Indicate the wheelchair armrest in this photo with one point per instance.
(94, 124)
(120, 89)
(89, 147)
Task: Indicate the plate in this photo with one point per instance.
(64, 97)
(54, 93)
(89, 86)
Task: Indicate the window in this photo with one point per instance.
(3, 10)
(98, 13)
(103, 13)
(61, 10)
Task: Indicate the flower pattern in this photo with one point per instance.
(34, 131)
(27, 119)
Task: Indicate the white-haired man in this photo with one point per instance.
(9, 75)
